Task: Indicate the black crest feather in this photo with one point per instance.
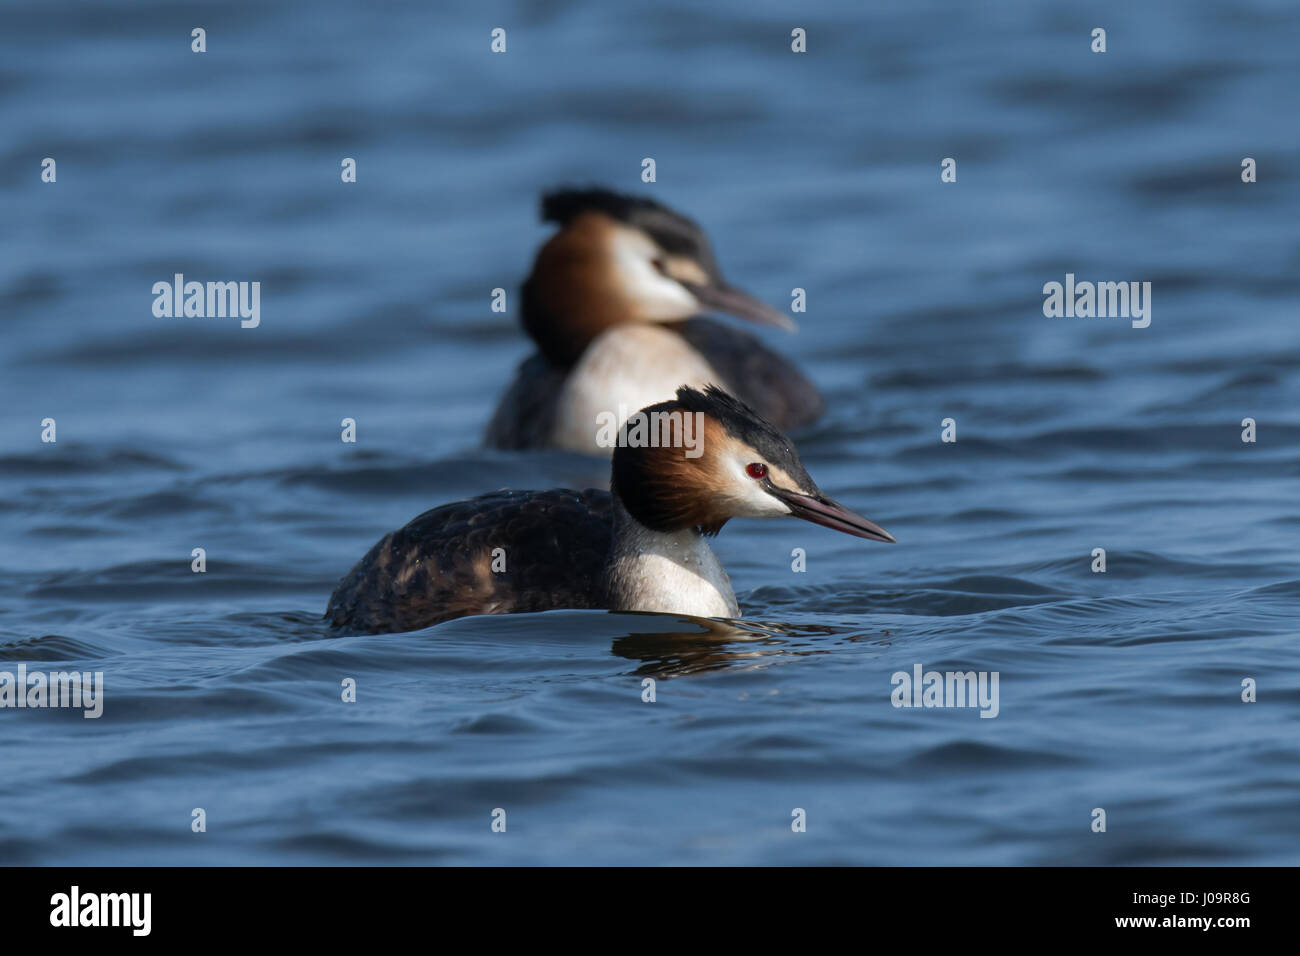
(747, 425)
(674, 232)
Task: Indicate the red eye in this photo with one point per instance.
(756, 470)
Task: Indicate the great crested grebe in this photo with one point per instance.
(613, 305)
(705, 458)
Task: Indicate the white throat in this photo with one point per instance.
(672, 572)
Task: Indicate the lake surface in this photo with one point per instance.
(1119, 690)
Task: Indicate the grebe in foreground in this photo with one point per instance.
(640, 547)
(613, 303)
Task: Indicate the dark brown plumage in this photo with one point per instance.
(439, 565)
(765, 380)
(526, 413)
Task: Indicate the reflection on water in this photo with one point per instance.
(713, 644)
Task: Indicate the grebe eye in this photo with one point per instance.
(756, 470)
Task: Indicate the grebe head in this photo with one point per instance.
(674, 475)
(618, 259)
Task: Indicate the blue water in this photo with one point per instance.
(1118, 690)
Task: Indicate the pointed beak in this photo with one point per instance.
(724, 298)
(823, 511)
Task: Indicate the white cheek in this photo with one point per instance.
(747, 497)
(658, 298)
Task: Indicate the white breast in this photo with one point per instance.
(622, 371)
(672, 573)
